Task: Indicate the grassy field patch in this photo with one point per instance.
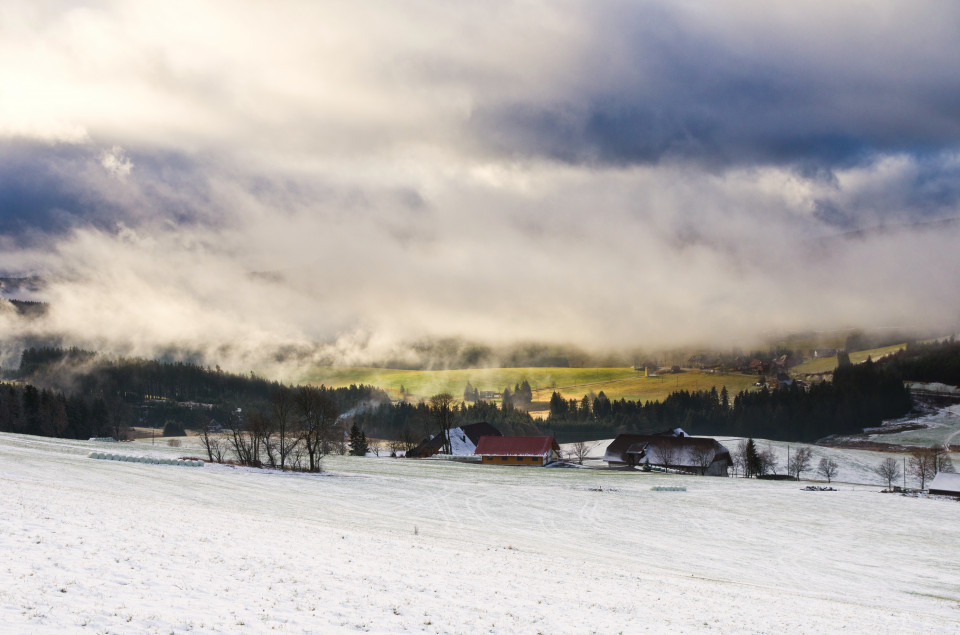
(827, 364)
(572, 383)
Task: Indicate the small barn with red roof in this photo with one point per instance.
(518, 450)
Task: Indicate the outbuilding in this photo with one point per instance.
(946, 484)
(518, 450)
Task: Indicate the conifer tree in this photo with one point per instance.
(754, 464)
(358, 441)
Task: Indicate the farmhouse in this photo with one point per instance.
(518, 450)
(697, 455)
(946, 483)
(463, 440)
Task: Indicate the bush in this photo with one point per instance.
(173, 429)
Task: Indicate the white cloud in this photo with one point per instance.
(116, 162)
(364, 153)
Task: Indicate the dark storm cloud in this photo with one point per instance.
(39, 191)
(664, 82)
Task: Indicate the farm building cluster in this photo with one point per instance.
(672, 449)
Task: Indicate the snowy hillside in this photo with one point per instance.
(382, 545)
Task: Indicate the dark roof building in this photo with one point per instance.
(697, 455)
(463, 440)
(518, 450)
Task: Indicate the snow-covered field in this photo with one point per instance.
(389, 546)
(942, 428)
(856, 467)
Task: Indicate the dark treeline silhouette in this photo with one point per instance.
(860, 396)
(932, 362)
(76, 394)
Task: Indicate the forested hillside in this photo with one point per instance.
(930, 362)
(73, 393)
(78, 394)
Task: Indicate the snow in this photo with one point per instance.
(933, 387)
(941, 427)
(946, 481)
(382, 545)
(460, 443)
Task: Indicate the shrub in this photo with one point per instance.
(173, 429)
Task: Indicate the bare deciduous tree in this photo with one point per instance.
(207, 440)
(739, 458)
(664, 452)
(408, 440)
(247, 438)
(317, 413)
(941, 459)
(922, 466)
(580, 450)
(440, 409)
(702, 455)
(214, 443)
(888, 470)
(284, 441)
(828, 467)
(800, 461)
(377, 446)
(768, 460)
(218, 447)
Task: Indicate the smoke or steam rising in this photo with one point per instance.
(336, 180)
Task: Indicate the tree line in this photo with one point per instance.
(928, 362)
(859, 397)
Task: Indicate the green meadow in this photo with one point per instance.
(572, 383)
(827, 364)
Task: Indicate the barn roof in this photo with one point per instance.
(465, 437)
(946, 483)
(625, 442)
(683, 446)
(515, 446)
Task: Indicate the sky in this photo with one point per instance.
(343, 178)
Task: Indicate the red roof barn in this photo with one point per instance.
(518, 450)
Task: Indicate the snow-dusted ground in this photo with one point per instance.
(942, 427)
(390, 546)
(856, 467)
